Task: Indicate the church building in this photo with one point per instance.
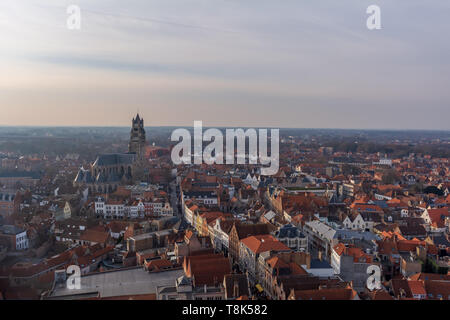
(108, 171)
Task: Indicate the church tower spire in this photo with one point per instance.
(137, 136)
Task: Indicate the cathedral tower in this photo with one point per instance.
(137, 137)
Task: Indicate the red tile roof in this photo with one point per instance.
(158, 264)
(417, 287)
(264, 243)
(355, 252)
(94, 236)
(208, 269)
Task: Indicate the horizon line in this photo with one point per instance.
(225, 127)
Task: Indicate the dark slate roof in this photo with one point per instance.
(441, 241)
(10, 229)
(101, 177)
(343, 234)
(183, 281)
(319, 264)
(20, 174)
(239, 279)
(289, 231)
(381, 203)
(413, 230)
(199, 194)
(246, 230)
(265, 183)
(84, 176)
(207, 184)
(113, 177)
(114, 159)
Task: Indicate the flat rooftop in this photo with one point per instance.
(118, 283)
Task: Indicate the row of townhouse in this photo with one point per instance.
(139, 208)
(265, 259)
(188, 209)
(220, 234)
(250, 250)
(224, 230)
(216, 225)
(208, 198)
(272, 265)
(193, 215)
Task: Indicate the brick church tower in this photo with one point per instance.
(137, 137)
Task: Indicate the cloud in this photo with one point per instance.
(313, 62)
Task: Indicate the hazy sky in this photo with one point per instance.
(277, 63)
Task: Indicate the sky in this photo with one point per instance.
(235, 63)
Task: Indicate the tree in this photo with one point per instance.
(434, 190)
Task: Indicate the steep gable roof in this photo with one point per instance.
(264, 243)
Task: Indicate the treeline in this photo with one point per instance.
(393, 150)
(53, 147)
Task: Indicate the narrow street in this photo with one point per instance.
(174, 199)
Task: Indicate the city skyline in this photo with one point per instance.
(228, 63)
(230, 127)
